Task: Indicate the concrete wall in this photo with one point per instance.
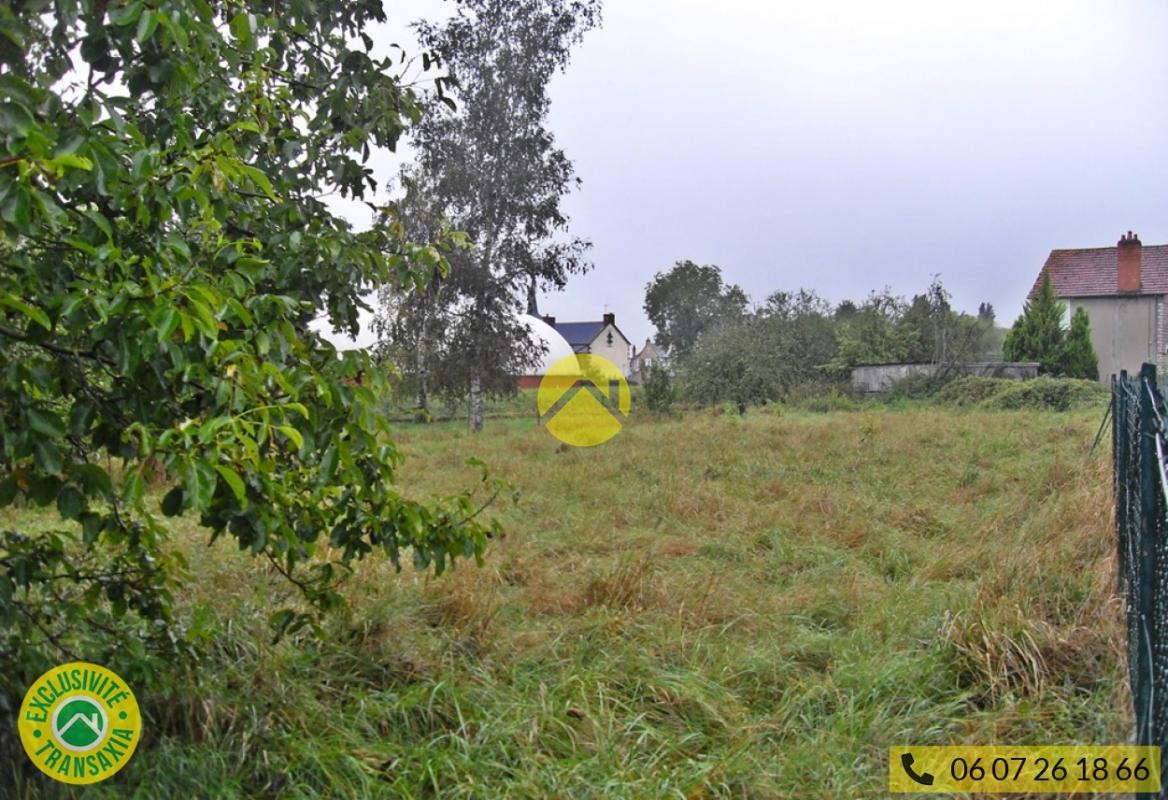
(1125, 331)
(879, 378)
(1011, 370)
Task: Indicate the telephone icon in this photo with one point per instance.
(924, 779)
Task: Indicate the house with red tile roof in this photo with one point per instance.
(1124, 290)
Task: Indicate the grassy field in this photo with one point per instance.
(705, 607)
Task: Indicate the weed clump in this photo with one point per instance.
(1056, 394)
(1039, 394)
(826, 403)
(970, 390)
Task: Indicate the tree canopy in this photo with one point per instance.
(688, 300)
(490, 166)
(164, 245)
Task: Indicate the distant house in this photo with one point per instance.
(1124, 290)
(600, 337)
(650, 355)
(563, 339)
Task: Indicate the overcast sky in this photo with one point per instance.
(849, 145)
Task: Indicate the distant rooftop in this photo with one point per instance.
(1094, 271)
(579, 333)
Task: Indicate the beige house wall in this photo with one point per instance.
(1162, 334)
(617, 352)
(1126, 331)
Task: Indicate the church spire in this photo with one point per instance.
(532, 308)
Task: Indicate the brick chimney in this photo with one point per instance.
(1130, 257)
(549, 320)
(610, 319)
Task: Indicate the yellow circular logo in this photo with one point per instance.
(584, 400)
(79, 723)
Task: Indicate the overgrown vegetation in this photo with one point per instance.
(1055, 394)
(796, 346)
(658, 390)
(718, 606)
(164, 246)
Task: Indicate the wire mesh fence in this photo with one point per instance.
(1141, 500)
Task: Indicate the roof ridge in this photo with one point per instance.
(1093, 272)
(1099, 249)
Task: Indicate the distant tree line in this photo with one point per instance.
(723, 348)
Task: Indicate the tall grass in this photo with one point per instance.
(713, 606)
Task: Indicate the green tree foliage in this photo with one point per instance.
(948, 337)
(886, 329)
(728, 364)
(688, 300)
(411, 324)
(872, 335)
(927, 320)
(1037, 334)
(764, 355)
(797, 342)
(164, 246)
(660, 393)
(798, 338)
(492, 168)
(1078, 354)
(845, 310)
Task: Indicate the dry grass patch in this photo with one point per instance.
(716, 606)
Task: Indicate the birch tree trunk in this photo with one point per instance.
(475, 409)
(421, 399)
(475, 417)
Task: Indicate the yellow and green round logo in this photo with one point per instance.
(584, 400)
(79, 723)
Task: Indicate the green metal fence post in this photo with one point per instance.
(1145, 553)
(1119, 437)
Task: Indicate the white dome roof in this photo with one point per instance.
(341, 340)
(557, 345)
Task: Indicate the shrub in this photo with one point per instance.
(814, 389)
(916, 387)
(970, 390)
(825, 403)
(659, 392)
(1056, 394)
